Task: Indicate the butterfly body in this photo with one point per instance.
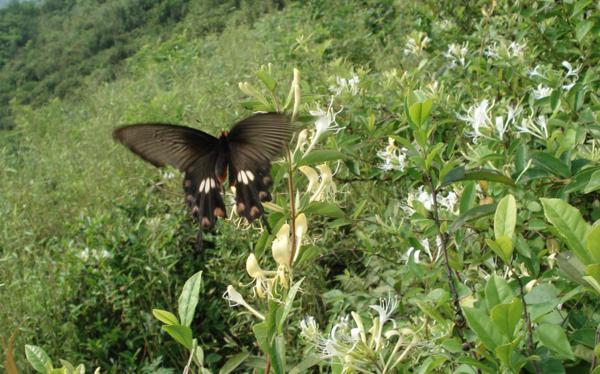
(242, 156)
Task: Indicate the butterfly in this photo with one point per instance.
(243, 155)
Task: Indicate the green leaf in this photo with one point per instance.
(503, 247)
(507, 316)
(261, 333)
(320, 156)
(324, 209)
(482, 325)
(308, 362)
(460, 174)
(165, 317)
(505, 218)
(472, 215)
(182, 334)
(189, 298)
(497, 291)
(570, 225)
(593, 243)
(554, 338)
(289, 302)
(572, 267)
(233, 362)
(467, 198)
(267, 80)
(594, 183)
(419, 112)
(38, 358)
(582, 29)
(550, 163)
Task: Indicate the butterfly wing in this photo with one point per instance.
(253, 143)
(192, 151)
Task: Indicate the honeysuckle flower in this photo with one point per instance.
(502, 124)
(394, 158)
(281, 246)
(514, 50)
(343, 84)
(477, 117)
(416, 43)
(535, 72)
(302, 142)
(301, 229)
(309, 328)
(326, 185)
(261, 287)
(421, 196)
(325, 122)
(385, 309)
(571, 72)
(457, 54)
(415, 255)
(234, 298)
(312, 176)
(537, 127)
(541, 91)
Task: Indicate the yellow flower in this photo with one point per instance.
(281, 246)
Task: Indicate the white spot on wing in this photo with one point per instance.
(244, 177)
(250, 175)
(212, 183)
(201, 186)
(207, 185)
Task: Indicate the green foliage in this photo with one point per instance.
(462, 175)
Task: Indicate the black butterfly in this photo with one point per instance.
(245, 153)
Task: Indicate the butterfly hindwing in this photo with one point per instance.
(253, 144)
(203, 193)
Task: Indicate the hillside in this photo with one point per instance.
(456, 176)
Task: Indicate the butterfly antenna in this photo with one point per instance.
(266, 223)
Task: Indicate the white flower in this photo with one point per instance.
(281, 247)
(516, 49)
(385, 309)
(537, 127)
(535, 72)
(416, 255)
(416, 44)
(302, 141)
(235, 298)
(502, 124)
(326, 186)
(323, 123)
(491, 51)
(477, 117)
(343, 84)
(394, 158)
(541, 91)
(309, 329)
(457, 54)
(422, 196)
(433, 257)
(571, 72)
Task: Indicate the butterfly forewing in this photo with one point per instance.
(162, 144)
(253, 144)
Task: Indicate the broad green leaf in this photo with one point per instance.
(460, 174)
(320, 156)
(554, 338)
(467, 198)
(592, 282)
(593, 243)
(289, 302)
(182, 334)
(507, 316)
(308, 362)
(552, 164)
(482, 325)
(594, 183)
(324, 209)
(233, 362)
(593, 271)
(38, 358)
(419, 112)
(541, 300)
(503, 247)
(472, 215)
(581, 180)
(582, 29)
(509, 355)
(189, 298)
(261, 333)
(570, 225)
(497, 291)
(572, 267)
(165, 317)
(505, 218)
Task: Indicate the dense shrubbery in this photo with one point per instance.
(445, 160)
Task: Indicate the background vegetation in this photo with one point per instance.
(92, 239)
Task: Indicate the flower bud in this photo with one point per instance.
(252, 266)
(281, 246)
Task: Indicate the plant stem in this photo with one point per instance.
(292, 196)
(459, 319)
(530, 346)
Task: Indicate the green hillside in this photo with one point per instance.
(457, 180)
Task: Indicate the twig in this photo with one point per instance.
(530, 346)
